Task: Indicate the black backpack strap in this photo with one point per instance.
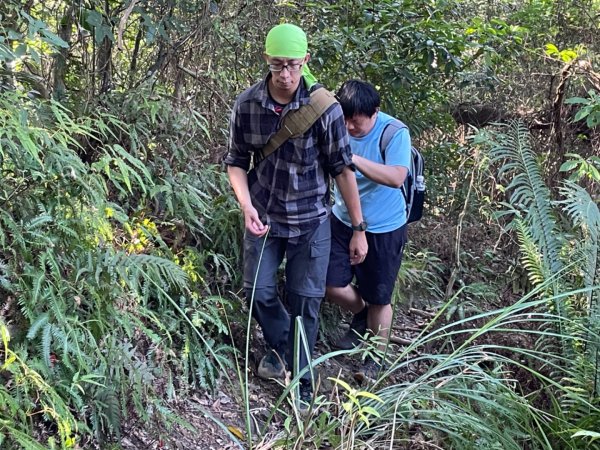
(389, 132)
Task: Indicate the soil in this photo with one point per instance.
(209, 413)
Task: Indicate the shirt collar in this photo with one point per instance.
(301, 97)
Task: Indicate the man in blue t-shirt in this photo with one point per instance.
(384, 211)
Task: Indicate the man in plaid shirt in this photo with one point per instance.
(285, 199)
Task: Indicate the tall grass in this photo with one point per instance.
(473, 383)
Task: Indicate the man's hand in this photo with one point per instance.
(239, 181)
(358, 247)
(252, 221)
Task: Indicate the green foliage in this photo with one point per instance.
(528, 191)
(353, 406)
(118, 232)
(30, 395)
(407, 49)
(104, 311)
(420, 275)
(590, 109)
(37, 38)
(566, 55)
(582, 167)
(562, 258)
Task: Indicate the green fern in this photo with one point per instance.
(528, 191)
(531, 257)
(585, 216)
(5, 276)
(562, 259)
(208, 313)
(83, 298)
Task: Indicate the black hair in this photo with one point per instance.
(358, 98)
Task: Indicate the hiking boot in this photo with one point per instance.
(369, 371)
(271, 366)
(354, 336)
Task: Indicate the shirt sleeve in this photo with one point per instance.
(397, 152)
(335, 144)
(238, 152)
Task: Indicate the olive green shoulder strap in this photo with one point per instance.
(298, 121)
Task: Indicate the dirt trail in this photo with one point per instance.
(203, 410)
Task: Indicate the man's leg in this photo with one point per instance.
(346, 297)
(376, 279)
(339, 288)
(260, 265)
(306, 269)
(349, 298)
(379, 321)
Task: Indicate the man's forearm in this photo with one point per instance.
(346, 182)
(392, 176)
(239, 182)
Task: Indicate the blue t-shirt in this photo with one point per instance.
(383, 207)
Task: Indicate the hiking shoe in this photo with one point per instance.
(369, 371)
(271, 366)
(354, 336)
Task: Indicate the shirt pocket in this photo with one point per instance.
(304, 151)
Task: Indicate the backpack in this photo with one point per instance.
(413, 188)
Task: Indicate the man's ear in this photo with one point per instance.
(266, 57)
(306, 58)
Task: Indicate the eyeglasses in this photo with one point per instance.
(291, 67)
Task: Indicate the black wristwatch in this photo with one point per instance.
(360, 227)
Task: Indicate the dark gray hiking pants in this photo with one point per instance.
(307, 258)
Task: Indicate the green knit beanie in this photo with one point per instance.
(289, 41)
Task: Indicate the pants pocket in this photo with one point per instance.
(319, 248)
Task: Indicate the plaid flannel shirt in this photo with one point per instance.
(290, 187)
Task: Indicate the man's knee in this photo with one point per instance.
(334, 293)
(261, 295)
(307, 307)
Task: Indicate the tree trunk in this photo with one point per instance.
(104, 58)
(59, 71)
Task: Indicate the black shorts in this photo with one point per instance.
(376, 275)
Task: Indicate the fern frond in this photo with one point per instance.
(531, 257)
(160, 269)
(5, 277)
(208, 312)
(46, 343)
(529, 193)
(24, 440)
(39, 323)
(585, 215)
